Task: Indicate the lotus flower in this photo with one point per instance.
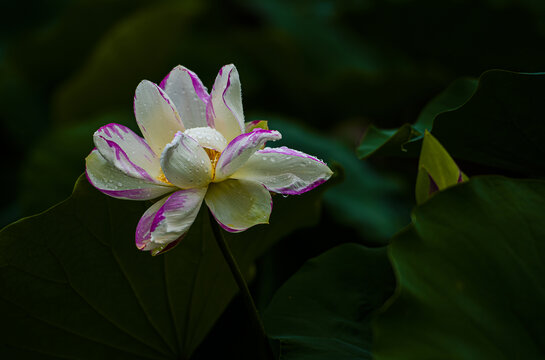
(196, 147)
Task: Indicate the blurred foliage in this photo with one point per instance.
(341, 68)
(399, 141)
(498, 123)
(57, 160)
(366, 200)
(335, 65)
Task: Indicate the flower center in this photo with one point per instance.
(214, 155)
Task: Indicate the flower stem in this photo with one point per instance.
(264, 345)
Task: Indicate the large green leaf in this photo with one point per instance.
(73, 284)
(499, 124)
(324, 311)
(471, 276)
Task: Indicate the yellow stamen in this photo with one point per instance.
(214, 155)
(163, 178)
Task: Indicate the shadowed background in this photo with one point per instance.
(333, 66)
(319, 71)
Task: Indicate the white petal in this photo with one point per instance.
(208, 138)
(127, 151)
(156, 115)
(185, 163)
(239, 204)
(284, 170)
(168, 219)
(224, 109)
(240, 149)
(113, 182)
(189, 95)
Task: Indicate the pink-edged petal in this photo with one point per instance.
(156, 115)
(185, 163)
(240, 149)
(224, 111)
(127, 151)
(168, 219)
(115, 183)
(284, 170)
(189, 95)
(239, 204)
(208, 138)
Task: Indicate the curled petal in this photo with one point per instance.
(284, 170)
(240, 149)
(239, 204)
(208, 138)
(156, 115)
(189, 95)
(127, 152)
(224, 110)
(168, 219)
(115, 183)
(185, 163)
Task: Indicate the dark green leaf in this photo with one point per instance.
(324, 311)
(393, 141)
(73, 284)
(471, 276)
(383, 142)
(499, 125)
(454, 96)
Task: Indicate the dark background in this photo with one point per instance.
(335, 66)
(332, 67)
